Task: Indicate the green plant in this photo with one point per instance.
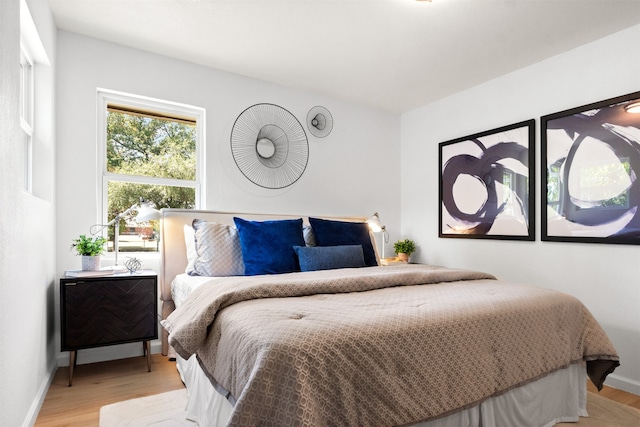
(405, 246)
(89, 246)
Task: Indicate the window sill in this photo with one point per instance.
(110, 259)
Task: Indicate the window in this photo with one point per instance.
(26, 116)
(36, 110)
(149, 149)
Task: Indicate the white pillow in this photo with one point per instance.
(190, 243)
(218, 250)
(309, 237)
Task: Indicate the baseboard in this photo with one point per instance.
(34, 410)
(112, 352)
(622, 383)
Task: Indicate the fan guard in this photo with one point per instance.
(269, 146)
(319, 121)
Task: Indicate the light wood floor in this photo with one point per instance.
(99, 384)
(617, 395)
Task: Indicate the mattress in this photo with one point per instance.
(184, 284)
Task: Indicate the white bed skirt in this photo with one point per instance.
(558, 397)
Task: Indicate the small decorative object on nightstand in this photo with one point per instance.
(132, 264)
(90, 249)
(404, 249)
(105, 310)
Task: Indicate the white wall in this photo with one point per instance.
(347, 172)
(27, 252)
(603, 277)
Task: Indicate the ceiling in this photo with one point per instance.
(393, 55)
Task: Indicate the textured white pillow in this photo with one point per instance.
(190, 243)
(218, 250)
(309, 237)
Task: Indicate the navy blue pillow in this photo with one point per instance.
(337, 233)
(313, 258)
(267, 246)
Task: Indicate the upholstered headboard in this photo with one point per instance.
(173, 258)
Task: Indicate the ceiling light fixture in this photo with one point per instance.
(633, 108)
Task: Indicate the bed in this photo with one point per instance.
(346, 342)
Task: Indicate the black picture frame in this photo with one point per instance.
(487, 184)
(591, 169)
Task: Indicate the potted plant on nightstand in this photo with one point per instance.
(404, 249)
(90, 248)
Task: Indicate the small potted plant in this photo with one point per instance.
(404, 249)
(90, 248)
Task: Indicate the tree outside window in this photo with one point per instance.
(150, 155)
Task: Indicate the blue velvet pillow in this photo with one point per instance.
(337, 233)
(267, 246)
(313, 258)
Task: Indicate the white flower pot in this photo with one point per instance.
(91, 263)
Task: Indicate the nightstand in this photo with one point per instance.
(107, 310)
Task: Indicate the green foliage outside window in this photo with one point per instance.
(142, 146)
(147, 146)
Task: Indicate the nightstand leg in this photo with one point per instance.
(72, 364)
(146, 348)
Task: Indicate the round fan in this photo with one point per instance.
(319, 121)
(269, 146)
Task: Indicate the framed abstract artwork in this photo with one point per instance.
(487, 184)
(590, 168)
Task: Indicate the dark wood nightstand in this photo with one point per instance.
(106, 310)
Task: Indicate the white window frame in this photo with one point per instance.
(27, 114)
(36, 116)
(107, 97)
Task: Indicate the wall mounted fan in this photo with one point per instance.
(269, 146)
(319, 121)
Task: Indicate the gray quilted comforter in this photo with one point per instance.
(379, 346)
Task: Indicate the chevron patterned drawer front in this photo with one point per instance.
(108, 310)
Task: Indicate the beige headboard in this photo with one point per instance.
(173, 251)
